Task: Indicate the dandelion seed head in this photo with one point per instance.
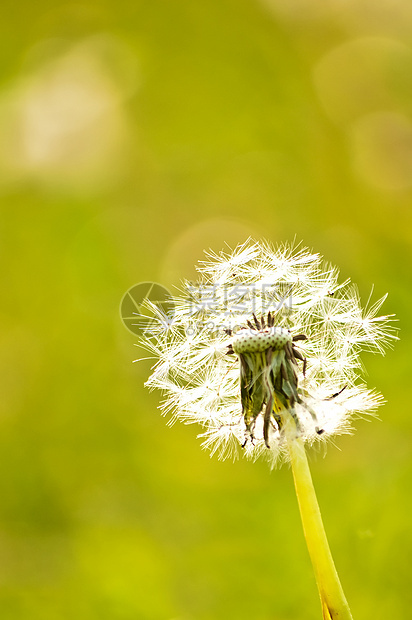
(263, 331)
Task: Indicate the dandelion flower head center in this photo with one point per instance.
(250, 341)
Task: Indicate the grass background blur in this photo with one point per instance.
(133, 135)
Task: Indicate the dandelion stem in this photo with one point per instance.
(333, 601)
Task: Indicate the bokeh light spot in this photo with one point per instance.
(382, 150)
(364, 76)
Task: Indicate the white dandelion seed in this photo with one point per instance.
(265, 332)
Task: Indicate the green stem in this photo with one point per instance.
(334, 604)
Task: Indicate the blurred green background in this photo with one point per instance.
(133, 135)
